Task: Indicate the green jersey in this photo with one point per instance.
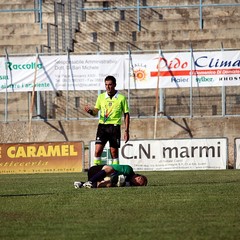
(125, 170)
(111, 109)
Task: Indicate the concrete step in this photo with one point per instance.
(16, 2)
(164, 14)
(21, 29)
(185, 44)
(90, 47)
(168, 35)
(184, 2)
(18, 17)
(191, 24)
(156, 25)
(106, 26)
(16, 7)
(154, 45)
(94, 3)
(20, 49)
(46, 7)
(146, 25)
(189, 35)
(26, 17)
(23, 39)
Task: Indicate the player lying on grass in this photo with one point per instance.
(112, 176)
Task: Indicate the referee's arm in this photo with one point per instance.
(127, 123)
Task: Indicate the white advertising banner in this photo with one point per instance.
(237, 153)
(176, 70)
(17, 74)
(178, 154)
(87, 72)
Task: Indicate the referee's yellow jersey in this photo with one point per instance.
(111, 109)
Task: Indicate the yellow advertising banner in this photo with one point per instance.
(54, 157)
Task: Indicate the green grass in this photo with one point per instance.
(175, 205)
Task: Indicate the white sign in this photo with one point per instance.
(237, 153)
(17, 74)
(140, 71)
(176, 70)
(178, 154)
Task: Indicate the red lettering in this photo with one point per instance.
(173, 64)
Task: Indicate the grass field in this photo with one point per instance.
(175, 205)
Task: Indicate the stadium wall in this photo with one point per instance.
(141, 128)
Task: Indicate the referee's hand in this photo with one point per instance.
(88, 110)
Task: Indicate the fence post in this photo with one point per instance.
(40, 13)
(191, 87)
(200, 15)
(129, 73)
(68, 69)
(56, 26)
(162, 91)
(138, 16)
(70, 27)
(223, 92)
(157, 93)
(63, 27)
(33, 98)
(6, 92)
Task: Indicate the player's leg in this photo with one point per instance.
(94, 170)
(101, 140)
(99, 176)
(114, 154)
(98, 152)
(77, 184)
(91, 172)
(114, 143)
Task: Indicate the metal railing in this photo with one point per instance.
(61, 33)
(142, 5)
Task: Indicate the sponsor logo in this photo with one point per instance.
(229, 78)
(179, 79)
(41, 151)
(139, 72)
(205, 61)
(11, 66)
(204, 79)
(3, 77)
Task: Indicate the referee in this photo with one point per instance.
(112, 105)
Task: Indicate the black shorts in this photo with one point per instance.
(109, 133)
(93, 170)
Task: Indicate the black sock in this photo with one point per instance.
(98, 176)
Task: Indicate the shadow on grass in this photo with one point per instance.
(25, 195)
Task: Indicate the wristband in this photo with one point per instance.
(90, 111)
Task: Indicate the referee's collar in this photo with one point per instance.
(115, 96)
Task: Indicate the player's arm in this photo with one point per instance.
(91, 111)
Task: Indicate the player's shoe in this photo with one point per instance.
(121, 181)
(87, 184)
(77, 184)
